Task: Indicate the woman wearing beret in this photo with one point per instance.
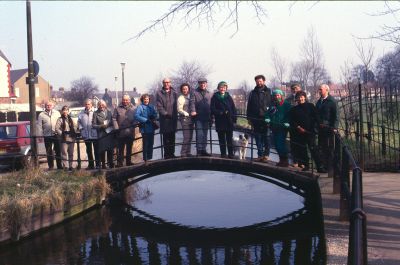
(224, 111)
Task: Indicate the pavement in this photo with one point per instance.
(382, 206)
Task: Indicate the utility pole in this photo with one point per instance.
(31, 82)
(123, 78)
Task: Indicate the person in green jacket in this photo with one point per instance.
(277, 118)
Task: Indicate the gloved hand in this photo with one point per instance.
(103, 126)
(151, 117)
(267, 120)
(300, 129)
(226, 112)
(286, 125)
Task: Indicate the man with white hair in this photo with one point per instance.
(328, 115)
(46, 127)
(123, 120)
(88, 133)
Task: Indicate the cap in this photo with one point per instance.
(202, 80)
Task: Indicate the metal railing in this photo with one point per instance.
(351, 201)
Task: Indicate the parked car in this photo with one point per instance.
(15, 144)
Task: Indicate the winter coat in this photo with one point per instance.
(258, 103)
(328, 112)
(224, 111)
(144, 115)
(278, 113)
(306, 116)
(107, 141)
(123, 120)
(85, 119)
(200, 101)
(65, 129)
(167, 108)
(47, 123)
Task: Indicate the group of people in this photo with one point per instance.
(268, 112)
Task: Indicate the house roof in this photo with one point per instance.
(4, 57)
(15, 75)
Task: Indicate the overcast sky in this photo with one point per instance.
(72, 39)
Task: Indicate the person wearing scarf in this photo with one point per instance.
(224, 110)
(277, 118)
(65, 129)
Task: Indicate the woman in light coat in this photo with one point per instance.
(65, 129)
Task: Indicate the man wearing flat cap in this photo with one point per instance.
(200, 111)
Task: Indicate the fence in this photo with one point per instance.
(370, 120)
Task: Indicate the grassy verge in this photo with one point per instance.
(31, 192)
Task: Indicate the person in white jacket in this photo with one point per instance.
(88, 133)
(46, 128)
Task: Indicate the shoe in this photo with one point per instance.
(223, 156)
(258, 159)
(70, 169)
(322, 170)
(204, 153)
(264, 159)
(231, 156)
(111, 166)
(103, 167)
(283, 162)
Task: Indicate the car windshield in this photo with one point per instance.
(7, 132)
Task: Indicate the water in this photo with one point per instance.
(191, 217)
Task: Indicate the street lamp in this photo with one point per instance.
(123, 78)
(116, 90)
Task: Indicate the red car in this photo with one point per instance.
(15, 144)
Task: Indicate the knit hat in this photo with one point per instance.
(222, 83)
(278, 91)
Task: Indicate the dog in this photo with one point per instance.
(240, 145)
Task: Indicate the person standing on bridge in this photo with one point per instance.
(103, 123)
(185, 119)
(200, 110)
(304, 120)
(277, 116)
(224, 110)
(146, 115)
(329, 120)
(66, 132)
(295, 148)
(258, 103)
(166, 107)
(88, 133)
(46, 127)
(123, 120)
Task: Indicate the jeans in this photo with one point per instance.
(263, 143)
(148, 141)
(280, 142)
(201, 135)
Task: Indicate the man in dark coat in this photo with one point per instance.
(304, 120)
(294, 88)
(258, 103)
(166, 106)
(328, 115)
(123, 121)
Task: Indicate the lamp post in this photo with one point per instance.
(116, 90)
(123, 78)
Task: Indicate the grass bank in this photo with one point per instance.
(32, 192)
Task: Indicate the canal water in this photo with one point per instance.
(187, 217)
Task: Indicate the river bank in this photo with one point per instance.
(34, 199)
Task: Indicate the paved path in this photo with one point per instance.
(382, 205)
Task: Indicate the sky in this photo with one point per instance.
(72, 39)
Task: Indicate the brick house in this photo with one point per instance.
(20, 90)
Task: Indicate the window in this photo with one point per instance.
(7, 132)
(16, 91)
(37, 91)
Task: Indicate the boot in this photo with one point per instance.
(283, 162)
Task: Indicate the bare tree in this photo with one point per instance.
(389, 33)
(300, 72)
(204, 12)
(279, 65)
(155, 85)
(311, 52)
(244, 91)
(81, 89)
(190, 72)
(365, 54)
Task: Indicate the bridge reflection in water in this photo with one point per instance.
(135, 233)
